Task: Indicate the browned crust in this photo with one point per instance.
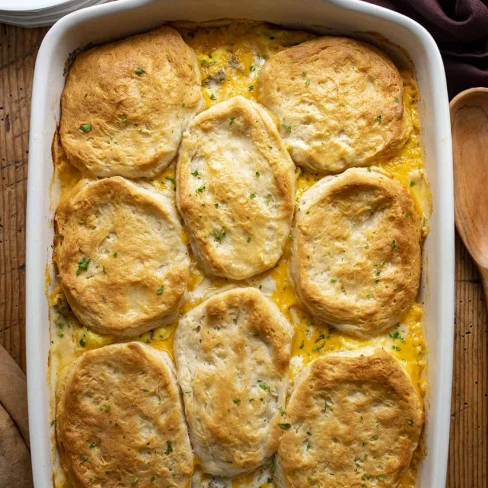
(136, 119)
(242, 217)
(374, 283)
(364, 418)
(117, 409)
(118, 293)
(342, 100)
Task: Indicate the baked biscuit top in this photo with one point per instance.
(126, 104)
(339, 102)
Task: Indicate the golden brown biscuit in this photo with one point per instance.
(339, 102)
(354, 421)
(120, 422)
(122, 263)
(236, 189)
(356, 251)
(126, 104)
(232, 356)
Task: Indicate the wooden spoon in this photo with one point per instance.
(469, 122)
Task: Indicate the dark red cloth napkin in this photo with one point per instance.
(460, 28)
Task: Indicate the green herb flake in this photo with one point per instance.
(397, 100)
(169, 448)
(83, 264)
(92, 445)
(83, 459)
(60, 336)
(200, 189)
(219, 236)
(82, 342)
(216, 205)
(304, 73)
(115, 254)
(375, 437)
(232, 120)
(369, 169)
(252, 195)
(410, 422)
(251, 88)
(287, 127)
(213, 97)
(105, 408)
(171, 179)
(85, 128)
(60, 325)
(248, 240)
(236, 401)
(380, 478)
(134, 481)
(285, 426)
(393, 244)
(53, 422)
(264, 387)
(379, 118)
(153, 479)
(195, 173)
(139, 71)
(59, 236)
(333, 280)
(252, 68)
(258, 174)
(302, 344)
(160, 290)
(307, 82)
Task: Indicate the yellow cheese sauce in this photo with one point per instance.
(230, 58)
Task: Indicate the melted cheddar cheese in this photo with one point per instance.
(230, 58)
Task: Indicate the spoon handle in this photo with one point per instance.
(484, 280)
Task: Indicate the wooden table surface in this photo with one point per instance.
(468, 464)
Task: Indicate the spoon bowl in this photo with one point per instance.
(469, 122)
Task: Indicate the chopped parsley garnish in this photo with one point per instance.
(252, 68)
(375, 437)
(380, 478)
(333, 280)
(287, 127)
(83, 264)
(195, 173)
(318, 348)
(251, 87)
(393, 244)
(115, 254)
(232, 119)
(85, 128)
(105, 408)
(82, 342)
(200, 189)
(124, 121)
(410, 422)
(369, 169)
(61, 335)
(304, 73)
(216, 205)
(379, 118)
(153, 479)
(412, 183)
(169, 448)
(326, 405)
(285, 426)
(134, 481)
(213, 97)
(53, 422)
(396, 348)
(171, 179)
(236, 401)
(264, 387)
(219, 236)
(301, 344)
(83, 459)
(397, 100)
(59, 236)
(139, 71)
(369, 297)
(92, 445)
(252, 195)
(258, 174)
(160, 290)
(248, 240)
(282, 411)
(307, 82)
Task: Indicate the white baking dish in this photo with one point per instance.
(125, 17)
